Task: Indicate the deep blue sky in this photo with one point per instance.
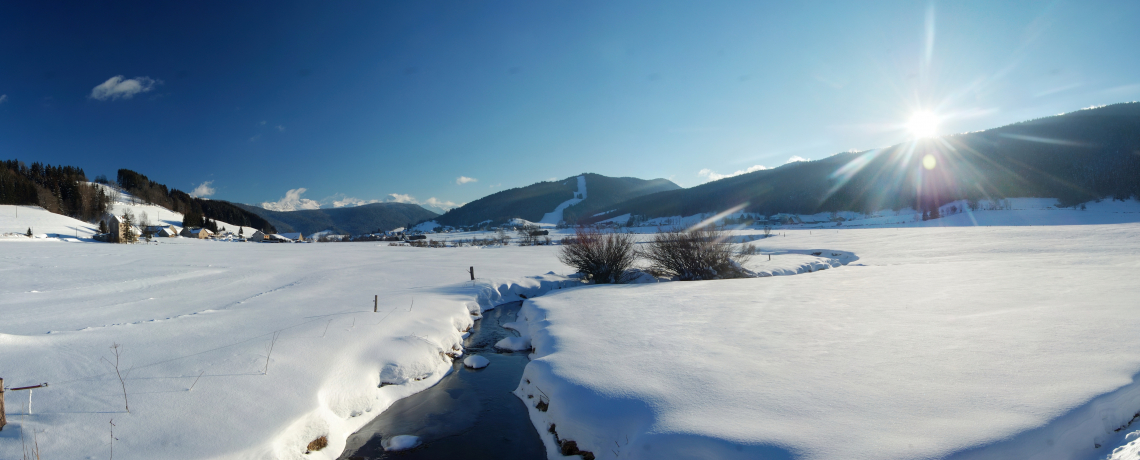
(369, 99)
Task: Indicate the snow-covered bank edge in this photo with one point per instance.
(562, 432)
(356, 390)
(1086, 431)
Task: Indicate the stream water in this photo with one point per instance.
(470, 413)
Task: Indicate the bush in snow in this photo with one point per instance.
(602, 257)
(701, 254)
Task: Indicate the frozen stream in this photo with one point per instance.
(470, 413)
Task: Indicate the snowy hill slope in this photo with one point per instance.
(535, 202)
(1075, 157)
(555, 217)
(16, 220)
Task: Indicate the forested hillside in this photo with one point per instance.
(1075, 157)
(603, 193)
(59, 189)
(196, 210)
(535, 200)
(348, 220)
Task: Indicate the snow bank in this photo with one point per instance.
(401, 442)
(983, 342)
(476, 362)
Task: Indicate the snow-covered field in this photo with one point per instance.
(978, 342)
(945, 340)
(189, 311)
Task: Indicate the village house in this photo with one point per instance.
(200, 233)
(116, 230)
(295, 236)
(162, 231)
(255, 236)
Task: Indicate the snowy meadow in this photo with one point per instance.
(1004, 341)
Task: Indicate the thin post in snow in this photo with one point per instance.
(269, 351)
(196, 381)
(471, 270)
(375, 302)
(3, 420)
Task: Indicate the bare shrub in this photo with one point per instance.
(602, 257)
(318, 444)
(702, 254)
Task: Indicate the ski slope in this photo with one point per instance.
(554, 217)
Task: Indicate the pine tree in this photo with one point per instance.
(29, 234)
(240, 233)
(102, 226)
(128, 235)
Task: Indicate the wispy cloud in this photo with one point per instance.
(119, 88)
(292, 202)
(795, 158)
(349, 201)
(280, 128)
(464, 179)
(433, 202)
(3, 98)
(712, 175)
(203, 190)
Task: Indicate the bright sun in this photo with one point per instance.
(923, 124)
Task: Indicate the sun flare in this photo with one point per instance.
(923, 124)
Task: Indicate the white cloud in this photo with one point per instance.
(280, 128)
(262, 123)
(3, 98)
(500, 184)
(350, 202)
(203, 190)
(711, 175)
(433, 202)
(116, 87)
(795, 158)
(441, 204)
(464, 179)
(292, 202)
(400, 198)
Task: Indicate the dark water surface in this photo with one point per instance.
(469, 414)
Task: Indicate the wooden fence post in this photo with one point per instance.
(3, 421)
(472, 271)
(375, 302)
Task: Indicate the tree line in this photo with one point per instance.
(58, 189)
(198, 212)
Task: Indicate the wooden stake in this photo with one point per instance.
(471, 270)
(375, 302)
(3, 421)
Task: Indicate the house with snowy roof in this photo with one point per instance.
(162, 231)
(116, 228)
(276, 238)
(200, 233)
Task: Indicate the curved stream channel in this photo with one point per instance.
(470, 413)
